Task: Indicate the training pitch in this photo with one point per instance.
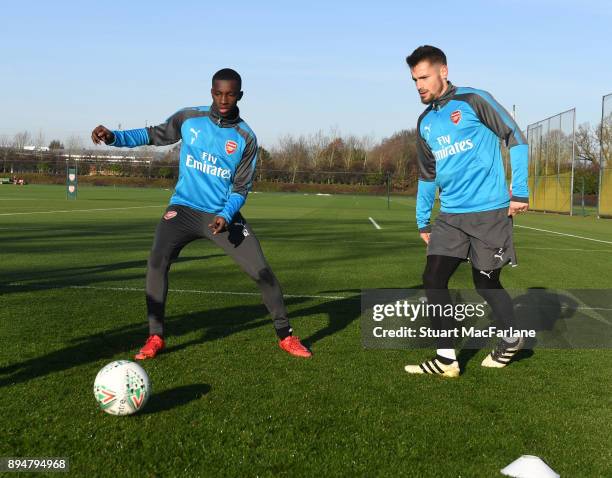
(227, 401)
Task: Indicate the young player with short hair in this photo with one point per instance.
(217, 162)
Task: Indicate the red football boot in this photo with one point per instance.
(154, 345)
(293, 346)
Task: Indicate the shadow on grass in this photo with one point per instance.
(213, 324)
(340, 313)
(541, 310)
(81, 276)
(175, 397)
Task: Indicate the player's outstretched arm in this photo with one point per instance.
(166, 133)
(101, 134)
(130, 138)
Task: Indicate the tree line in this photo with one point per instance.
(322, 157)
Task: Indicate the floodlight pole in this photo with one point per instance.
(559, 168)
(573, 161)
(603, 99)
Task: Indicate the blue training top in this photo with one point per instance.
(217, 158)
(459, 152)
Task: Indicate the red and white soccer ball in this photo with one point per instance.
(122, 388)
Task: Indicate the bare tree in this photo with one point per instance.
(5, 141)
(366, 143)
(334, 145)
(39, 141)
(604, 137)
(21, 139)
(587, 143)
(351, 145)
(74, 143)
(56, 144)
(397, 154)
(316, 145)
(5, 145)
(293, 154)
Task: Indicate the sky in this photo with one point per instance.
(67, 66)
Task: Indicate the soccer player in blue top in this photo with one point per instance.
(458, 149)
(217, 162)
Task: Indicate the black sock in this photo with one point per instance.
(444, 360)
(284, 332)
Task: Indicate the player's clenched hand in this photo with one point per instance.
(102, 134)
(425, 236)
(516, 207)
(218, 225)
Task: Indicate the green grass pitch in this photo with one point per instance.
(227, 401)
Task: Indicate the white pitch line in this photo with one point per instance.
(253, 294)
(297, 239)
(77, 210)
(564, 249)
(216, 292)
(374, 223)
(564, 234)
(418, 242)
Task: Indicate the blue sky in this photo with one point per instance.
(67, 66)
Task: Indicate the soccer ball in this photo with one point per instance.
(122, 388)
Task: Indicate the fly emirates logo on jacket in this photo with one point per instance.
(208, 165)
(447, 148)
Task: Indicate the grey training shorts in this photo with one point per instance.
(485, 238)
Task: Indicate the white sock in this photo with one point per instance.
(511, 340)
(447, 353)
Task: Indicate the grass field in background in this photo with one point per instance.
(227, 401)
